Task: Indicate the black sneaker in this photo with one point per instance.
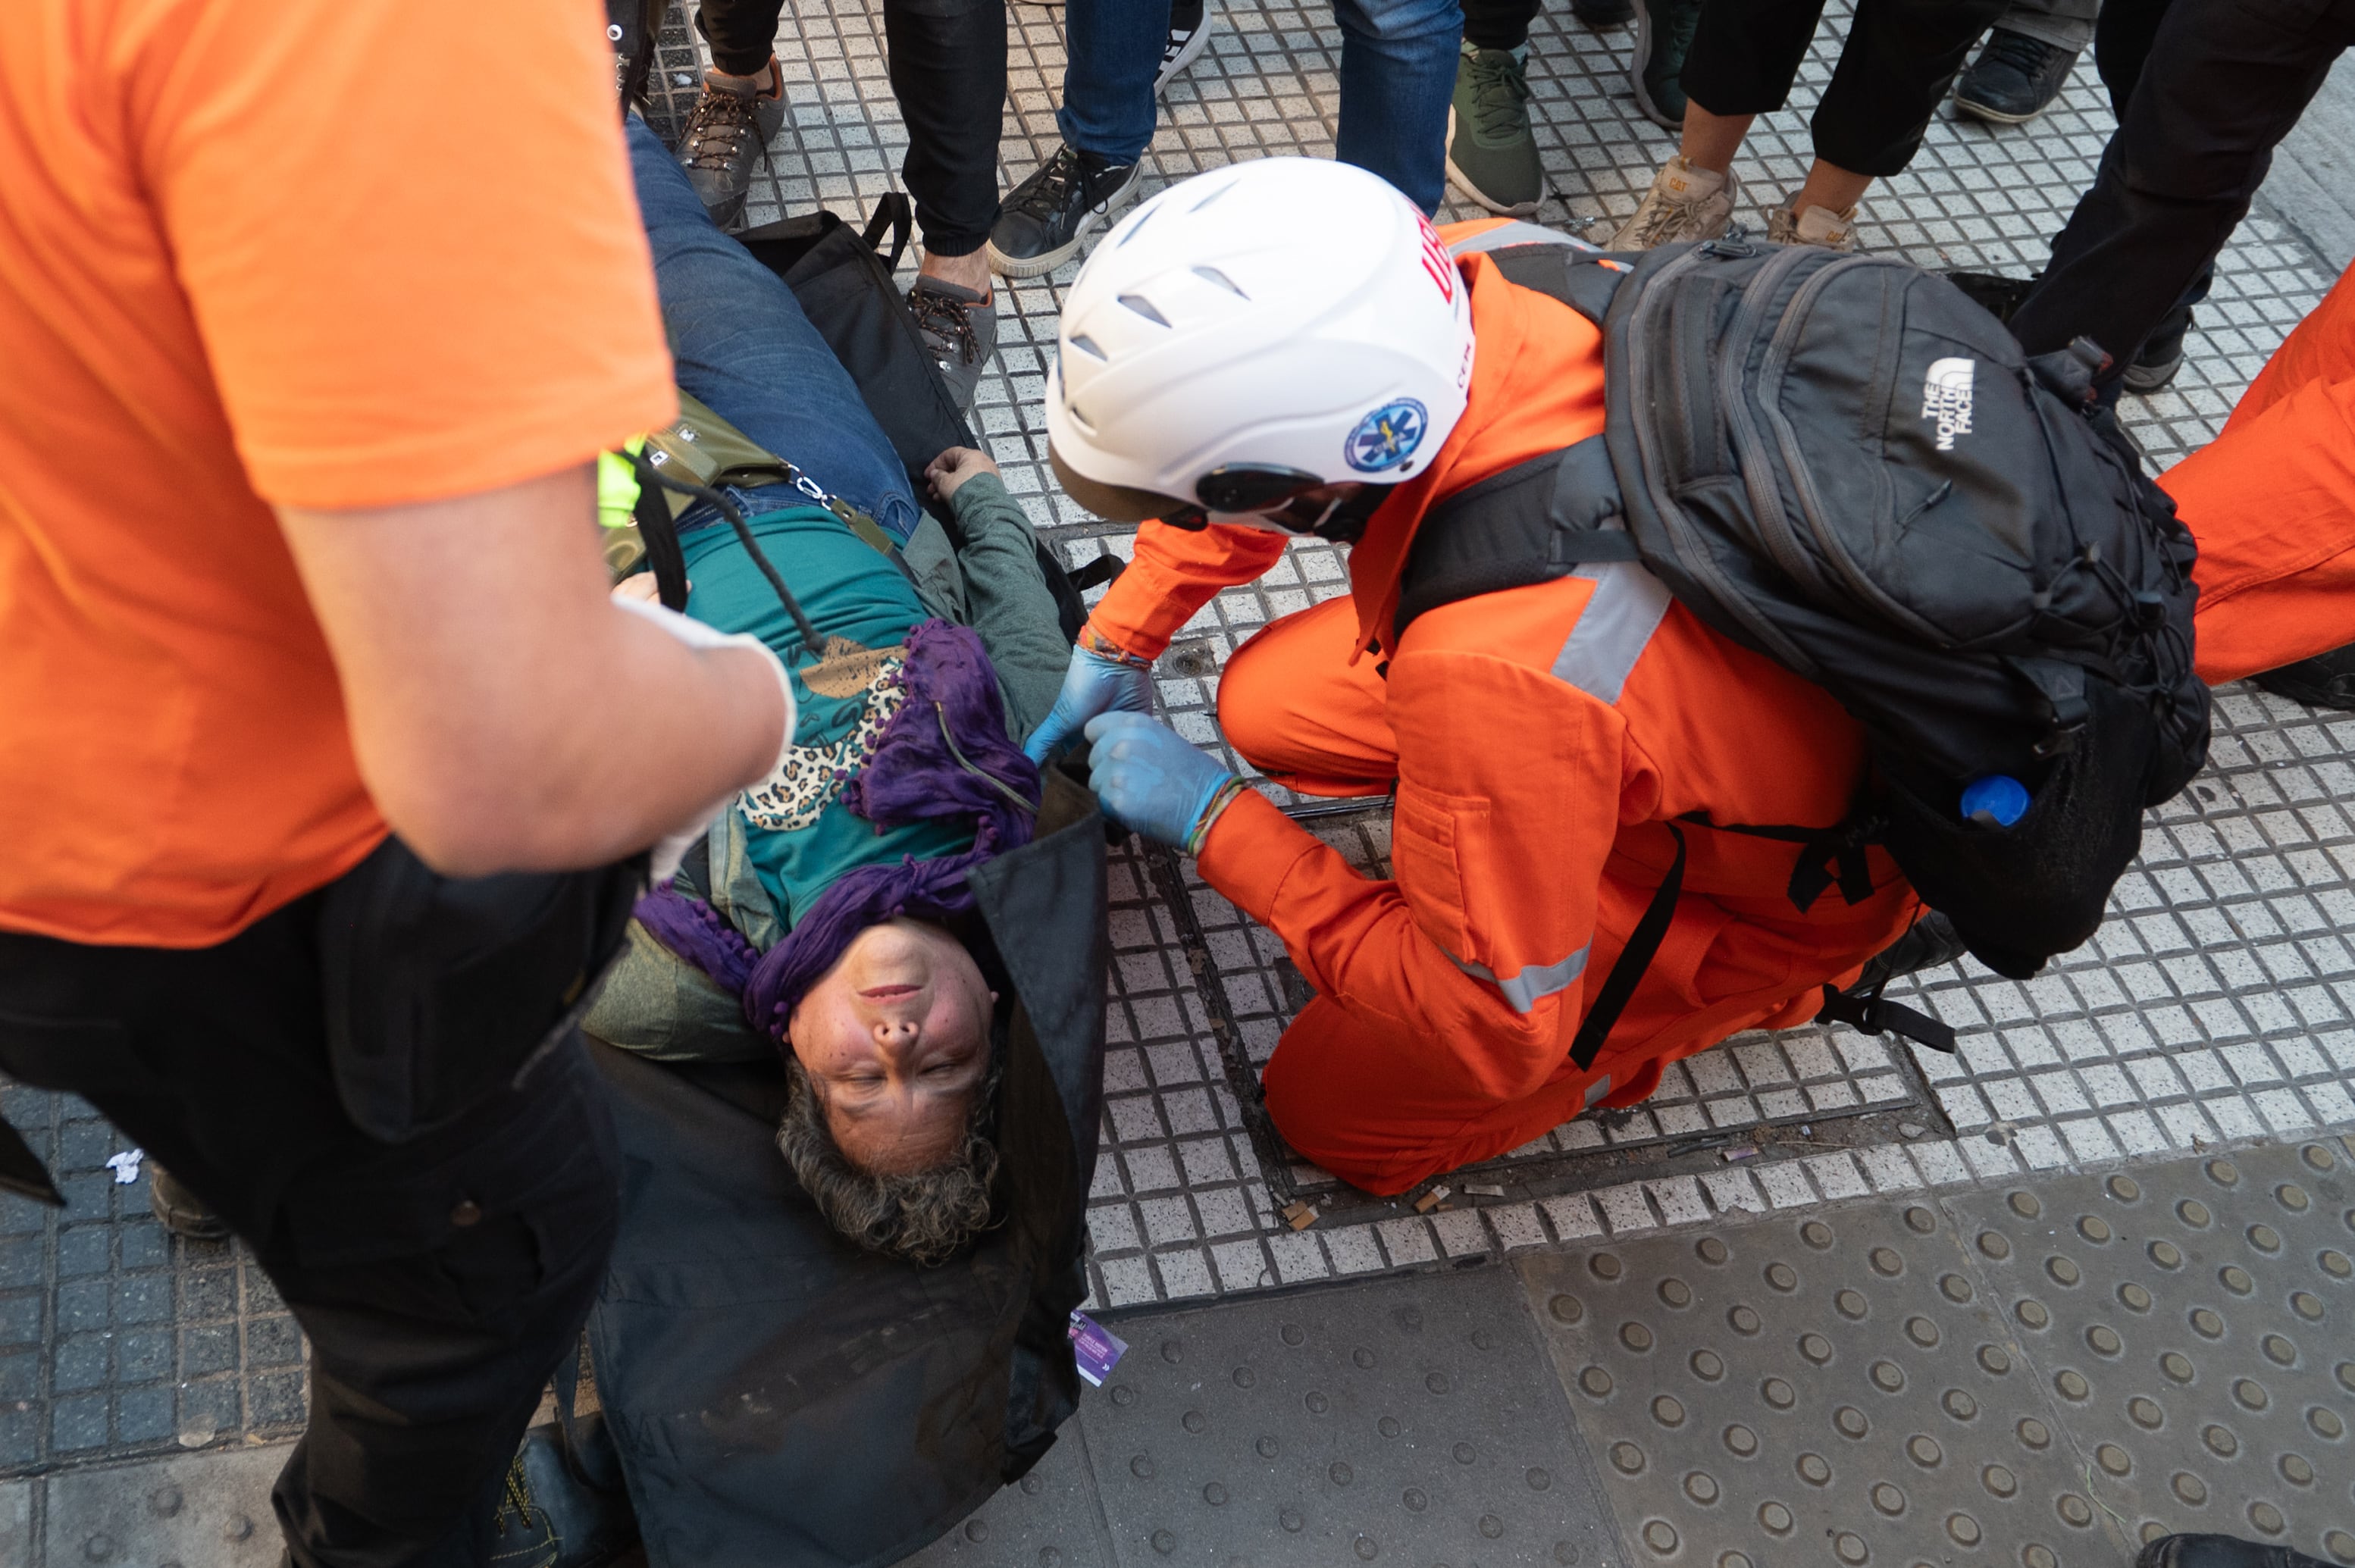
(2014, 78)
(2325, 681)
(727, 132)
(1602, 14)
(2160, 356)
(1188, 36)
(1050, 214)
(960, 332)
(1664, 33)
(2220, 1551)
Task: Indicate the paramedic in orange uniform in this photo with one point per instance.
(1541, 739)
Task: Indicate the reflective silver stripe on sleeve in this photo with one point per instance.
(1514, 233)
(1614, 629)
(1533, 984)
(1597, 1090)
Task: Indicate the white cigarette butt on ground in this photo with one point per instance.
(1430, 1200)
(125, 1165)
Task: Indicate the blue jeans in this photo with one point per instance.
(743, 347)
(1398, 75)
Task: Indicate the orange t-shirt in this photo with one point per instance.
(256, 251)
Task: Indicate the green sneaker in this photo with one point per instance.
(1491, 156)
(1664, 32)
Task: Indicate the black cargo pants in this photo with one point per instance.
(439, 1280)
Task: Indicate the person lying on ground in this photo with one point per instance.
(1549, 745)
(825, 910)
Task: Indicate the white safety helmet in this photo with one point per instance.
(1251, 335)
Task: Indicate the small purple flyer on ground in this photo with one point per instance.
(1096, 1349)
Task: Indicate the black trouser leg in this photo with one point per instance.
(440, 1280)
(743, 32)
(2223, 83)
(948, 71)
(1900, 59)
(1498, 23)
(1745, 54)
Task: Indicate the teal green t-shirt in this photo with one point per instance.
(803, 838)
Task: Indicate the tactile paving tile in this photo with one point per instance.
(1837, 1391)
(2195, 1324)
(1047, 1519)
(205, 1511)
(1406, 1421)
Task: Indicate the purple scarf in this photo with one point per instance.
(952, 710)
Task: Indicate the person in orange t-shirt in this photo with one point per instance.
(1549, 745)
(297, 550)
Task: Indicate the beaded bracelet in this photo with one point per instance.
(1096, 643)
(1219, 801)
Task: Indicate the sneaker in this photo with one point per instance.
(1188, 36)
(2014, 78)
(2325, 681)
(1601, 14)
(1491, 156)
(1051, 215)
(182, 1211)
(1684, 203)
(2220, 1551)
(729, 128)
(1816, 226)
(2160, 356)
(960, 330)
(1664, 32)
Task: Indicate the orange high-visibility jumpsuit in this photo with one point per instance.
(1541, 739)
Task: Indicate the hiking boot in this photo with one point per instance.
(1664, 32)
(182, 1211)
(1601, 14)
(960, 330)
(1491, 156)
(2014, 78)
(726, 131)
(1816, 226)
(1188, 36)
(2220, 1551)
(551, 1516)
(1684, 203)
(2160, 356)
(2325, 681)
(1051, 214)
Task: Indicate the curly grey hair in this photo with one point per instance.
(924, 1216)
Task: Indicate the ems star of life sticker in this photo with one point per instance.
(1387, 437)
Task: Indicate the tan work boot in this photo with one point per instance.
(1684, 203)
(1816, 226)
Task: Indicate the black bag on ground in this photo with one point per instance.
(1843, 463)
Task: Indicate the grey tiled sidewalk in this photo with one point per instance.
(2216, 1009)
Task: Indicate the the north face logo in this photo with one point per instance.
(1946, 398)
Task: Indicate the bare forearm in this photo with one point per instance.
(504, 713)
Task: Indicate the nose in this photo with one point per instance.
(898, 1031)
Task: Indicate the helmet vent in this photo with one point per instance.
(1213, 196)
(1144, 308)
(1212, 275)
(1087, 345)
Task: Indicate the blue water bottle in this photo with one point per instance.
(1997, 800)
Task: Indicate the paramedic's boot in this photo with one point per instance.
(2220, 1551)
(1491, 156)
(1664, 33)
(1816, 226)
(1051, 215)
(960, 330)
(2014, 80)
(182, 1211)
(2325, 681)
(1684, 203)
(727, 132)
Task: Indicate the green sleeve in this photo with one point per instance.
(656, 1003)
(1009, 601)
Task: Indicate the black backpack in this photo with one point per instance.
(1843, 463)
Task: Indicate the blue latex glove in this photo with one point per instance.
(1092, 685)
(1149, 779)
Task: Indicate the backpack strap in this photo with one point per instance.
(1534, 522)
(1642, 943)
(1585, 281)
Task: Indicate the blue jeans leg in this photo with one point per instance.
(1398, 75)
(742, 345)
(1113, 52)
